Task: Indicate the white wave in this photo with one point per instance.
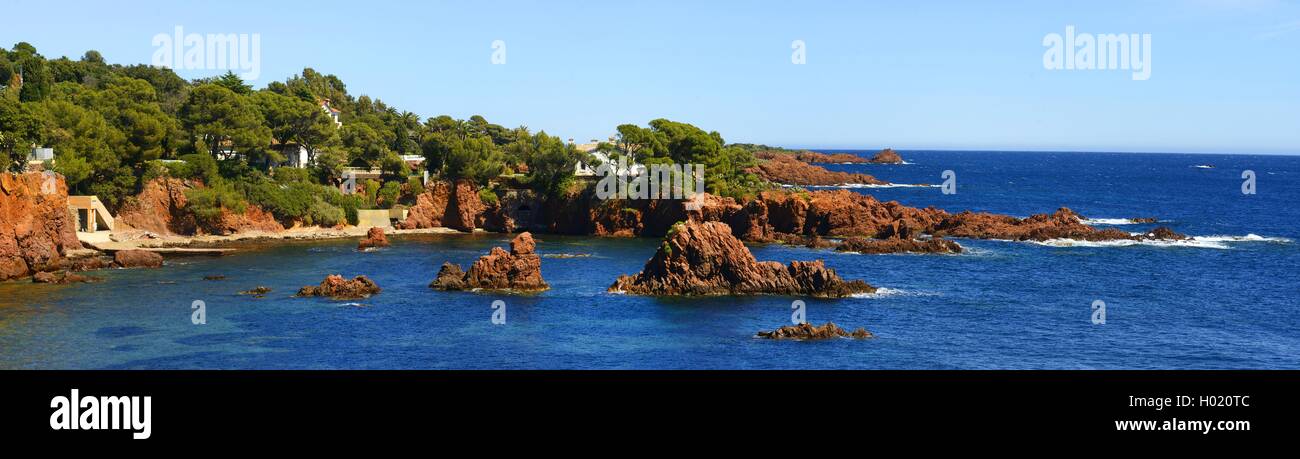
(1108, 221)
(1247, 238)
(886, 292)
(1199, 242)
(1203, 166)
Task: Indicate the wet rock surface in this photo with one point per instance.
(897, 245)
(137, 259)
(519, 270)
(807, 331)
(706, 259)
(375, 238)
(336, 287)
(62, 277)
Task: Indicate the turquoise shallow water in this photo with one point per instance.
(1229, 300)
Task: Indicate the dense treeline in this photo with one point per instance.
(115, 127)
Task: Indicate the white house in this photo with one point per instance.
(582, 169)
(331, 111)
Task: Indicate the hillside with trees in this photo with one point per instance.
(116, 127)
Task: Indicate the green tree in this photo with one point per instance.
(218, 118)
(551, 164)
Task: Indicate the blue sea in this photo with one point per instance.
(1228, 299)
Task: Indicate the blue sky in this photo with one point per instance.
(1225, 75)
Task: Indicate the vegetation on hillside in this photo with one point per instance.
(114, 127)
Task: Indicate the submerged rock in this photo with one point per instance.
(336, 287)
(374, 238)
(216, 277)
(137, 259)
(706, 259)
(520, 269)
(898, 245)
(258, 291)
(805, 331)
(62, 278)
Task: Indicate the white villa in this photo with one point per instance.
(295, 155)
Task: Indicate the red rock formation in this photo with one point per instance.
(36, 228)
(448, 205)
(336, 287)
(786, 170)
(812, 156)
(374, 238)
(495, 218)
(706, 259)
(517, 270)
(162, 208)
(804, 331)
(137, 259)
(159, 208)
(898, 245)
(887, 156)
(62, 277)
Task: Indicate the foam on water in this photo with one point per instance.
(1201, 242)
(1107, 221)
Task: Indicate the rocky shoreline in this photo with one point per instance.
(886, 156)
(703, 255)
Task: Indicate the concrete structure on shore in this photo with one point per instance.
(90, 213)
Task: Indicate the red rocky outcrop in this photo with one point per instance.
(812, 156)
(336, 287)
(805, 331)
(706, 259)
(374, 238)
(62, 277)
(520, 270)
(137, 259)
(887, 156)
(897, 245)
(162, 208)
(444, 204)
(786, 170)
(36, 228)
